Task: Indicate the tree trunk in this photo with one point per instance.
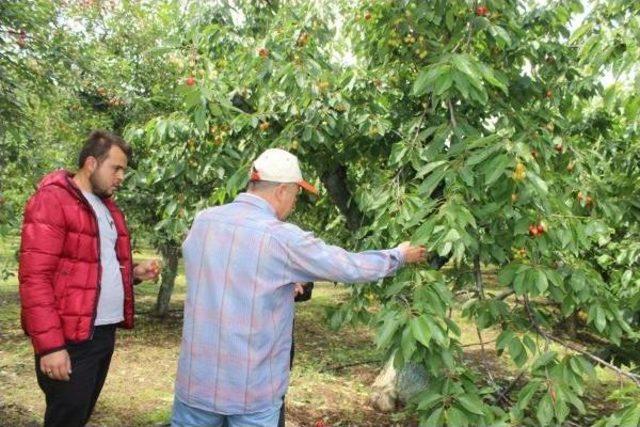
(170, 256)
(572, 325)
(335, 181)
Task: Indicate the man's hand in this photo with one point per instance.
(412, 254)
(147, 270)
(56, 365)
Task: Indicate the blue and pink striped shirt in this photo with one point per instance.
(241, 264)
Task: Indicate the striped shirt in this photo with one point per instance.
(241, 264)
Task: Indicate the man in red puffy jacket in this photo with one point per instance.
(76, 278)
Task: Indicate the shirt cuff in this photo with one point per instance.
(399, 255)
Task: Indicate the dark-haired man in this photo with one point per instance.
(76, 278)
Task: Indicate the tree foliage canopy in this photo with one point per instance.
(483, 130)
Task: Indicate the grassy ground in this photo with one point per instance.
(139, 388)
(331, 378)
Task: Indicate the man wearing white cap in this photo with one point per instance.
(241, 262)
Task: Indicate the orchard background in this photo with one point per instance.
(503, 135)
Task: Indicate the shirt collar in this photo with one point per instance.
(256, 201)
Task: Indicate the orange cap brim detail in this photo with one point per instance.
(308, 187)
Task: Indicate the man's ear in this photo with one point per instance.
(281, 191)
(91, 163)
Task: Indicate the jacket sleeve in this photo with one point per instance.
(310, 259)
(43, 234)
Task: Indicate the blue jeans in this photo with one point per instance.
(188, 416)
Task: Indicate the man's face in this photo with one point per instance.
(288, 198)
(108, 175)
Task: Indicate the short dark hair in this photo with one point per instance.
(98, 145)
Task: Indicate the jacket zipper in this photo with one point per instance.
(99, 287)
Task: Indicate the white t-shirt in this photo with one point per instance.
(111, 301)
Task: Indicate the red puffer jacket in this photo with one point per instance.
(60, 267)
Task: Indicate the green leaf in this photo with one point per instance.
(471, 403)
(427, 77)
(538, 182)
(631, 416)
(490, 77)
(525, 395)
(453, 326)
(307, 134)
(501, 35)
(562, 409)
(387, 331)
(442, 83)
(199, 117)
(541, 281)
(423, 233)
(455, 417)
(576, 402)
(504, 339)
(545, 411)
(530, 344)
(518, 352)
(581, 31)
(434, 419)
(425, 170)
(407, 343)
(507, 274)
(480, 155)
(421, 330)
(452, 236)
(436, 332)
(519, 281)
(430, 184)
(398, 151)
(544, 360)
(465, 64)
(626, 277)
(429, 399)
(422, 82)
(601, 319)
(496, 168)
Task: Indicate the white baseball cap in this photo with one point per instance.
(276, 165)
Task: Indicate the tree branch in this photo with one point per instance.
(633, 377)
(348, 365)
(505, 295)
(480, 290)
(452, 114)
(475, 344)
(503, 394)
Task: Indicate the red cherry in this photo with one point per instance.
(482, 11)
(533, 230)
(190, 81)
